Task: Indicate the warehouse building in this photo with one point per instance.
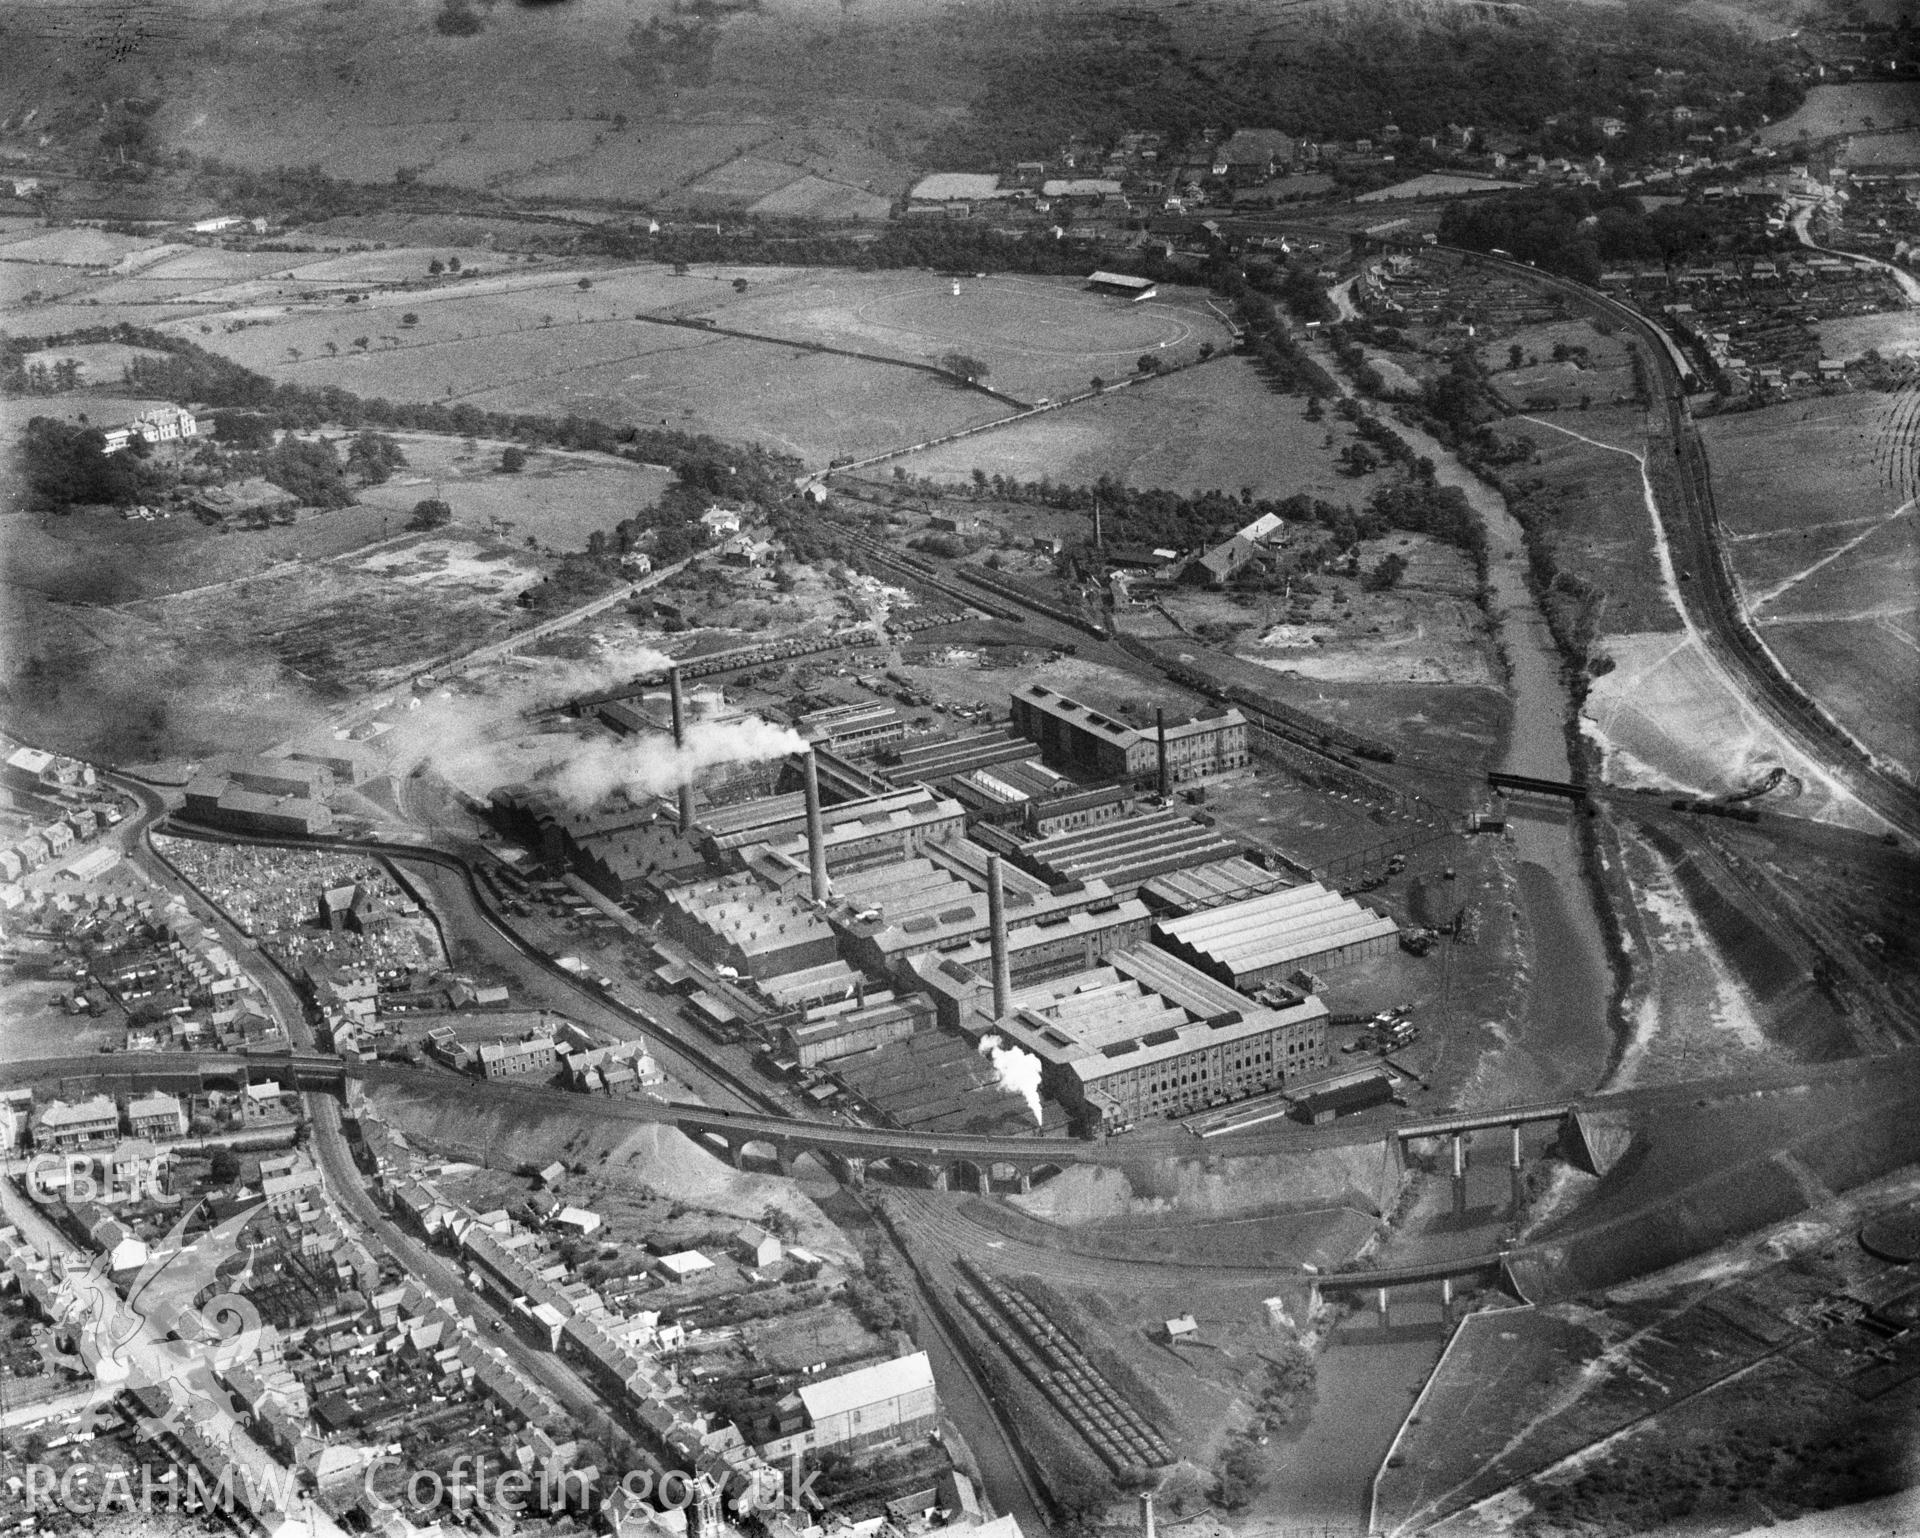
(1080, 739)
(734, 921)
(1265, 939)
(1124, 853)
(888, 915)
(1052, 944)
(839, 1031)
(221, 803)
(924, 763)
(1144, 1034)
(934, 1082)
(865, 831)
(854, 731)
(891, 1402)
(1211, 885)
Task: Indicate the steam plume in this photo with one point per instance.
(1018, 1068)
(644, 766)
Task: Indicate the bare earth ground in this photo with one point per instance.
(1426, 630)
(1817, 499)
(1214, 427)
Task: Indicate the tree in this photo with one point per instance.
(964, 367)
(410, 319)
(374, 456)
(430, 513)
(1149, 364)
(1098, 384)
(1386, 572)
(1516, 355)
(1206, 351)
(584, 284)
(739, 285)
(311, 471)
(436, 267)
(453, 264)
(513, 459)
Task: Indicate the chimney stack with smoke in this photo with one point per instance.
(997, 923)
(1160, 728)
(679, 744)
(816, 835)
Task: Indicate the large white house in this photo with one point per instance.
(163, 424)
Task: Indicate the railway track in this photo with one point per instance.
(1712, 598)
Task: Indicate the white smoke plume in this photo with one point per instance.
(461, 735)
(651, 766)
(1018, 1068)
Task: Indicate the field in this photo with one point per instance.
(1603, 375)
(1214, 427)
(1039, 336)
(1593, 505)
(1830, 110)
(1436, 184)
(542, 342)
(1818, 502)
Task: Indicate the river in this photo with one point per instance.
(1565, 1038)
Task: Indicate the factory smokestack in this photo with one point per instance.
(997, 923)
(679, 706)
(1160, 729)
(1146, 1514)
(816, 835)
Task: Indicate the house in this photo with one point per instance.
(1183, 1328)
(721, 521)
(510, 1059)
(156, 1116)
(683, 1265)
(163, 424)
(583, 1222)
(285, 1193)
(553, 1174)
(91, 1123)
(756, 1247)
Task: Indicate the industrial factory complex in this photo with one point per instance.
(882, 927)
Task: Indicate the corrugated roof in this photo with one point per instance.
(867, 1386)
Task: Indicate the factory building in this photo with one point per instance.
(854, 731)
(925, 763)
(1144, 1034)
(1211, 885)
(866, 831)
(1077, 738)
(1124, 852)
(840, 1030)
(1052, 944)
(282, 777)
(1265, 939)
(889, 915)
(221, 803)
(734, 921)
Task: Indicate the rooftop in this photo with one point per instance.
(867, 1386)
